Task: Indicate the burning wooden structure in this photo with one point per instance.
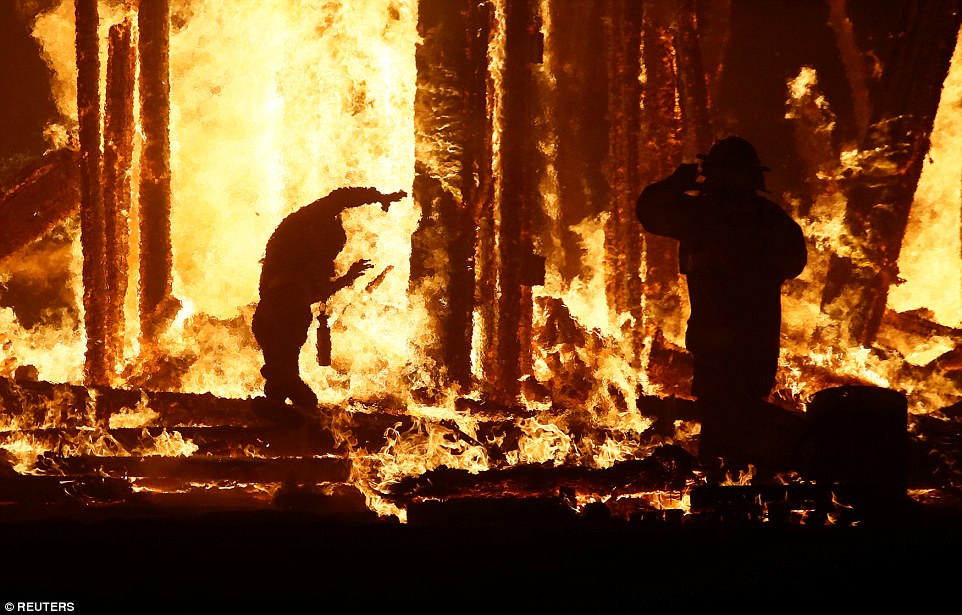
(526, 340)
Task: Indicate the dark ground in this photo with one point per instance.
(278, 562)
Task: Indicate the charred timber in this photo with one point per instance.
(203, 469)
(157, 305)
(219, 441)
(667, 469)
(453, 172)
(42, 490)
(855, 67)
(507, 355)
(118, 165)
(714, 31)
(583, 78)
(661, 153)
(44, 405)
(622, 239)
(96, 368)
(43, 195)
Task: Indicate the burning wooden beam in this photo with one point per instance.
(622, 239)
(667, 469)
(43, 195)
(96, 367)
(205, 469)
(506, 356)
(118, 164)
(581, 77)
(454, 166)
(693, 100)
(224, 441)
(157, 305)
(855, 66)
(661, 153)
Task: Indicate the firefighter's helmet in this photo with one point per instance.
(734, 154)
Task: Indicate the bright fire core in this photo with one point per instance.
(277, 103)
(273, 105)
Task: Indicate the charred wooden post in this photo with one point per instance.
(157, 305)
(96, 367)
(453, 169)
(43, 195)
(661, 153)
(118, 162)
(693, 98)
(880, 192)
(579, 86)
(622, 236)
(507, 355)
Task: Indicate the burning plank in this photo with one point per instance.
(44, 194)
(667, 469)
(204, 469)
(46, 490)
(219, 441)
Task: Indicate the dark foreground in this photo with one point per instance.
(139, 561)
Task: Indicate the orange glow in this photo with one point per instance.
(277, 103)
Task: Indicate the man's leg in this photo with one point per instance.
(280, 327)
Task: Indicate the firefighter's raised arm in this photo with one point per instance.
(660, 206)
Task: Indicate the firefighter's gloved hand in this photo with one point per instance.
(686, 176)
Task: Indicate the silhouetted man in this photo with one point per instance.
(736, 249)
(297, 272)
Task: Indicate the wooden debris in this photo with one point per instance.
(203, 469)
(668, 468)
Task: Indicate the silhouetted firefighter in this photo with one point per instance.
(736, 249)
(297, 272)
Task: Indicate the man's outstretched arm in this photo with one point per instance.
(344, 198)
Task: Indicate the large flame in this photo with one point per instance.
(277, 103)
(930, 261)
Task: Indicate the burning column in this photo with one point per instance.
(622, 236)
(118, 161)
(96, 366)
(674, 124)
(453, 174)
(157, 305)
(508, 267)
